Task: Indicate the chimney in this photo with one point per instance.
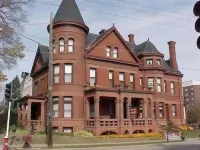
(102, 31)
(131, 38)
(172, 52)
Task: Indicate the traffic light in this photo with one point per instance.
(8, 91)
(196, 11)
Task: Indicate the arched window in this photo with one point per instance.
(115, 53)
(54, 47)
(108, 51)
(71, 45)
(62, 45)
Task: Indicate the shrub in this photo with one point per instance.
(84, 134)
(13, 128)
(41, 132)
(63, 134)
(140, 135)
(186, 128)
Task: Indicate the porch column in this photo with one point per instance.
(42, 112)
(117, 108)
(96, 108)
(121, 102)
(29, 115)
(29, 111)
(87, 109)
(144, 109)
(152, 111)
(128, 104)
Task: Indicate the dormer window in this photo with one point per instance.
(149, 62)
(108, 51)
(115, 53)
(158, 62)
(62, 45)
(71, 45)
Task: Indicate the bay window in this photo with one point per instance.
(67, 107)
(92, 76)
(121, 79)
(56, 73)
(174, 110)
(159, 85)
(172, 88)
(71, 45)
(111, 79)
(132, 81)
(68, 73)
(151, 83)
(62, 45)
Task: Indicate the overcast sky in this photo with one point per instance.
(184, 33)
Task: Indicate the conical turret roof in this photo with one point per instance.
(68, 11)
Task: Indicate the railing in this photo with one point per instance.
(142, 122)
(90, 123)
(109, 123)
(115, 122)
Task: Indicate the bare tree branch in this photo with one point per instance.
(12, 15)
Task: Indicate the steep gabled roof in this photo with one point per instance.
(146, 47)
(68, 11)
(42, 51)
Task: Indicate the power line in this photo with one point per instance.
(121, 16)
(137, 10)
(155, 8)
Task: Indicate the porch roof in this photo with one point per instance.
(26, 98)
(95, 89)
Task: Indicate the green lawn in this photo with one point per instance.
(191, 134)
(16, 139)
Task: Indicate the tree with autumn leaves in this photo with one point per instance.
(12, 15)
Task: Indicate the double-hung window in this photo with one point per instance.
(92, 76)
(67, 107)
(68, 73)
(56, 73)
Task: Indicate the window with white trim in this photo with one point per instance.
(165, 86)
(149, 61)
(172, 88)
(62, 45)
(174, 110)
(159, 85)
(92, 76)
(111, 79)
(71, 45)
(55, 109)
(132, 81)
(68, 73)
(115, 53)
(161, 112)
(67, 129)
(121, 79)
(151, 83)
(158, 62)
(56, 73)
(67, 107)
(108, 51)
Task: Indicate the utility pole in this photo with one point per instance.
(50, 78)
(8, 96)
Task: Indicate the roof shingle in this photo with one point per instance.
(68, 11)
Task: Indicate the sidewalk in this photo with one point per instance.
(88, 144)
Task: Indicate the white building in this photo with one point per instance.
(26, 84)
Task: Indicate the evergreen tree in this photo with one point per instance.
(16, 89)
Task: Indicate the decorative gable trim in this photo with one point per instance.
(98, 40)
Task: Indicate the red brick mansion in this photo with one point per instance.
(101, 82)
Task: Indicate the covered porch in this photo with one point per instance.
(113, 111)
(31, 113)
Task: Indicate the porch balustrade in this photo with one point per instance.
(115, 122)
